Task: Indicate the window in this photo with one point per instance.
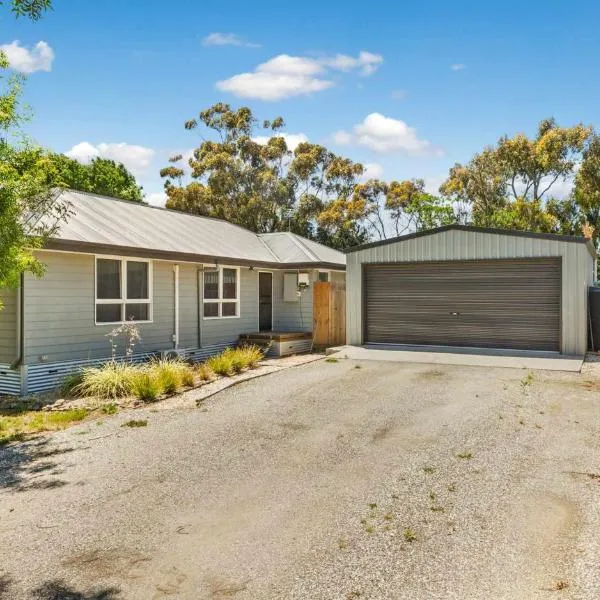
(323, 275)
(221, 293)
(123, 290)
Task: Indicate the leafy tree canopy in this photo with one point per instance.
(246, 173)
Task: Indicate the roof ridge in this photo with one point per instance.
(272, 252)
(302, 246)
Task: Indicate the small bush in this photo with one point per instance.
(110, 409)
(172, 374)
(221, 364)
(251, 354)
(237, 359)
(70, 383)
(205, 372)
(147, 386)
(111, 380)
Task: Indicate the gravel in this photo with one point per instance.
(326, 481)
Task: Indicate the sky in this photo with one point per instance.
(406, 88)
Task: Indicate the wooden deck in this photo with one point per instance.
(277, 336)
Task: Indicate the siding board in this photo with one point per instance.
(8, 326)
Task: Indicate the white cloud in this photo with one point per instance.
(156, 198)
(135, 158)
(367, 62)
(372, 171)
(226, 39)
(284, 64)
(269, 86)
(38, 58)
(285, 76)
(291, 139)
(458, 67)
(342, 138)
(385, 135)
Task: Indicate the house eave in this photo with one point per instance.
(109, 249)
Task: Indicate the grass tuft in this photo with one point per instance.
(331, 360)
(465, 455)
(111, 380)
(135, 423)
(147, 386)
(409, 535)
(17, 427)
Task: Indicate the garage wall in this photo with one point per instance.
(578, 268)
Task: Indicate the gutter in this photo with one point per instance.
(109, 249)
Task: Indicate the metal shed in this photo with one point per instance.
(471, 287)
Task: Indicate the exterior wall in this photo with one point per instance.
(578, 268)
(8, 326)
(59, 311)
(217, 331)
(292, 316)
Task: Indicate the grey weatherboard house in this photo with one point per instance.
(471, 287)
(191, 283)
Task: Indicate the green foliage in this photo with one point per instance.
(221, 364)
(100, 176)
(205, 373)
(146, 385)
(266, 187)
(32, 9)
(16, 427)
(110, 409)
(251, 355)
(70, 382)
(171, 375)
(507, 185)
(135, 423)
(111, 380)
(233, 360)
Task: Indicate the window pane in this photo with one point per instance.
(211, 309)
(211, 284)
(137, 280)
(323, 276)
(229, 309)
(108, 313)
(229, 284)
(108, 279)
(137, 312)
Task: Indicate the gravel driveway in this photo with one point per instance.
(327, 481)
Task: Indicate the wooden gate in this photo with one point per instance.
(329, 314)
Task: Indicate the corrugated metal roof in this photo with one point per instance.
(510, 232)
(102, 221)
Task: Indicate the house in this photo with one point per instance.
(473, 287)
(190, 283)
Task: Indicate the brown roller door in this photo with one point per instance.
(485, 303)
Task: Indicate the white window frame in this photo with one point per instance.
(328, 275)
(220, 300)
(124, 300)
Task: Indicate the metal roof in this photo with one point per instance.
(103, 224)
(545, 236)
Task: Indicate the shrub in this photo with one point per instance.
(236, 358)
(205, 372)
(70, 383)
(221, 364)
(147, 385)
(111, 380)
(252, 355)
(110, 409)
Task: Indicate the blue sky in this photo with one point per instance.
(436, 80)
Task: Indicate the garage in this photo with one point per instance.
(461, 286)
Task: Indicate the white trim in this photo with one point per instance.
(123, 300)
(220, 300)
(272, 297)
(176, 334)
